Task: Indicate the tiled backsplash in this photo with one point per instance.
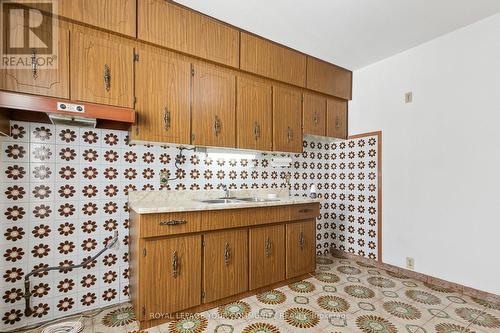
(64, 192)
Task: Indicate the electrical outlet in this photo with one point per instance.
(409, 97)
(164, 178)
(410, 263)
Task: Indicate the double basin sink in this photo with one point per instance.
(237, 200)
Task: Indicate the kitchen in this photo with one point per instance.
(173, 172)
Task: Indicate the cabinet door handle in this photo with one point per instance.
(217, 125)
(268, 247)
(172, 222)
(305, 210)
(107, 77)
(256, 130)
(337, 122)
(166, 119)
(315, 118)
(34, 65)
(301, 240)
(289, 134)
(227, 254)
(175, 264)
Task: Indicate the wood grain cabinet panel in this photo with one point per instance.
(254, 114)
(164, 23)
(314, 115)
(213, 107)
(114, 15)
(271, 60)
(171, 275)
(40, 80)
(336, 123)
(163, 104)
(225, 258)
(328, 78)
(102, 70)
(300, 248)
(287, 119)
(266, 255)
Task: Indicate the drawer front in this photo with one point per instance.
(234, 218)
(303, 212)
(153, 225)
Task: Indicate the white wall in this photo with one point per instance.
(441, 154)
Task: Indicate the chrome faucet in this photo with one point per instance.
(226, 191)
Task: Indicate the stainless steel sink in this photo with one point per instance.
(255, 199)
(219, 201)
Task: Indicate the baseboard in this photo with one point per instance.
(472, 292)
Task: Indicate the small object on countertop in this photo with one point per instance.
(272, 195)
(312, 192)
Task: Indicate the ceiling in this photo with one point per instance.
(350, 33)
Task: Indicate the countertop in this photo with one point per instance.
(147, 202)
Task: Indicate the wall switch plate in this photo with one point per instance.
(409, 97)
(410, 263)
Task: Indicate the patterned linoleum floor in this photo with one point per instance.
(343, 296)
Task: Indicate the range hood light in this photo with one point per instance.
(66, 120)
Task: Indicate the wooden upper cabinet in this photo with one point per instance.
(271, 60)
(314, 114)
(225, 256)
(113, 15)
(254, 114)
(300, 248)
(102, 70)
(336, 123)
(213, 107)
(171, 275)
(164, 23)
(40, 79)
(163, 92)
(287, 120)
(329, 79)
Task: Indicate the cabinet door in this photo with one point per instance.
(254, 114)
(113, 15)
(41, 80)
(214, 107)
(225, 258)
(328, 78)
(267, 255)
(263, 57)
(300, 248)
(287, 120)
(163, 87)
(102, 70)
(336, 123)
(167, 24)
(314, 114)
(172, 275)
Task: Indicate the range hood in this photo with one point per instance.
(26, 107)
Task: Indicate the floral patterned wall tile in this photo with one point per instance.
(64, 193)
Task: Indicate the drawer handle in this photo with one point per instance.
(173, 222)
(301, 240)
(316, 119)
(175, 264)
(305, 210)
(290, 134)
(217, 125)
(268, 247)
(34, 65)
(227, 254)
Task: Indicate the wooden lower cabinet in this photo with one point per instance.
(225, 257)
(267, 255)
(172, 275)
(300, 248)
